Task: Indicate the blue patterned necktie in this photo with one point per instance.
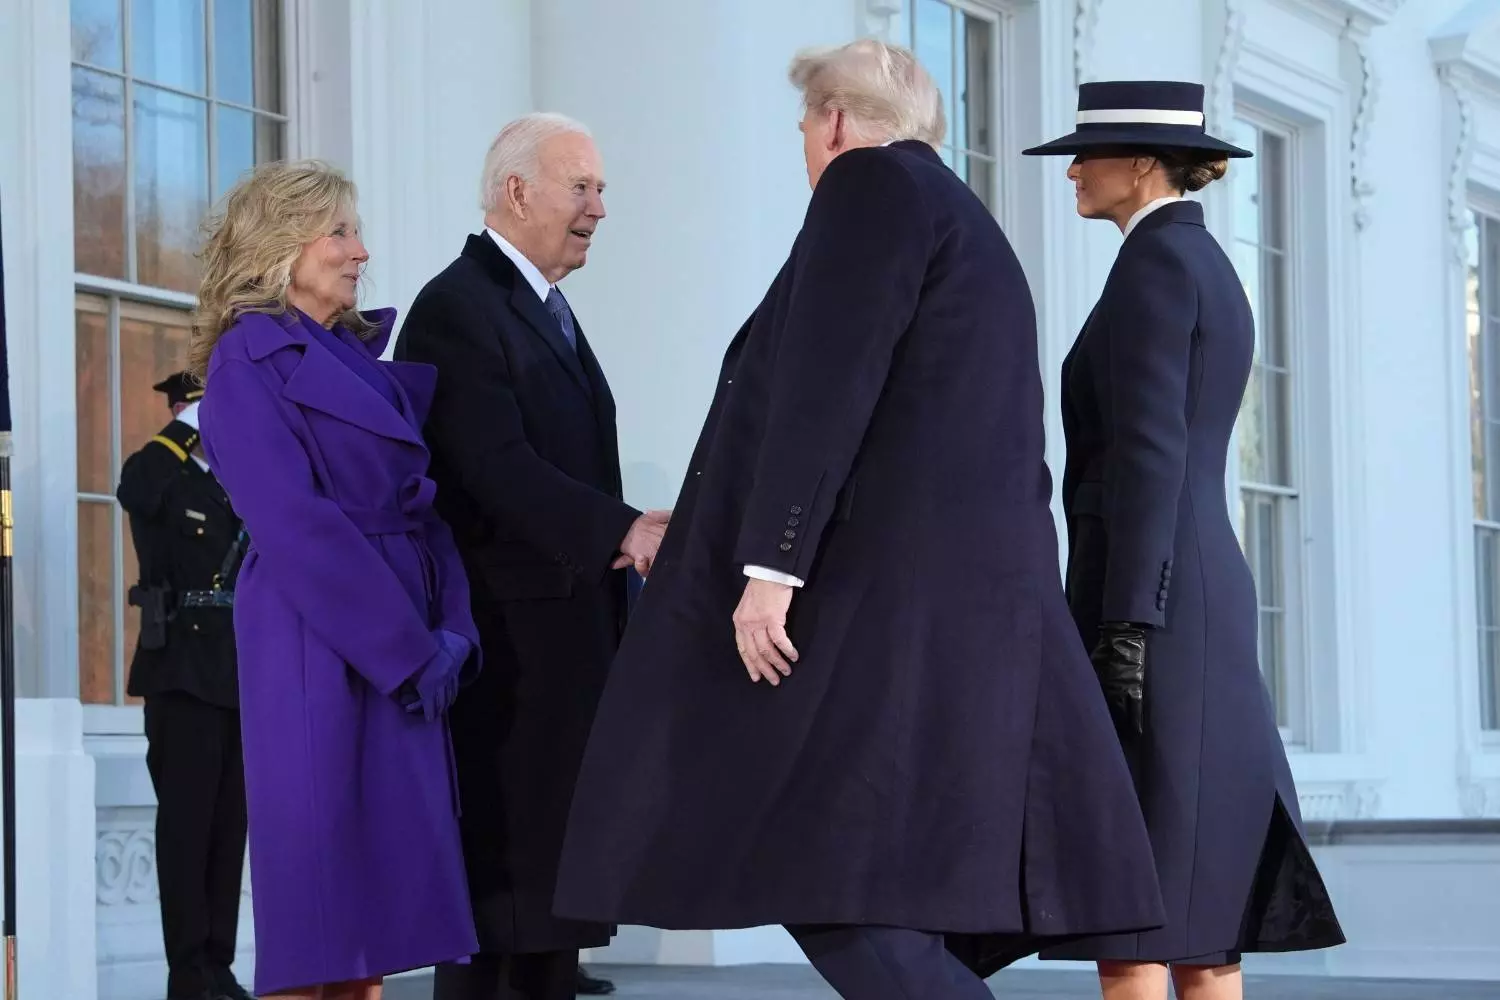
(558, 307)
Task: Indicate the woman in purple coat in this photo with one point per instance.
(352, 617)
(1157, 583)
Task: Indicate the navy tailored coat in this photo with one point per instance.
(525, 454)
(356, 863)
(1151, 390)
(941, 757)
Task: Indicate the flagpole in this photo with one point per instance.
(7, 663)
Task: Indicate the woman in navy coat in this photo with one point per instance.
(1156, 579)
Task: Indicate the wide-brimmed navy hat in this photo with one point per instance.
(1158, 114)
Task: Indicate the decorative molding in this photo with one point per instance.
(1462, 154)
(125, 867)
(1367, 91)
(1322, 801)
(1085, 23)
(125, 858)
(1221, 89)
(878, 18)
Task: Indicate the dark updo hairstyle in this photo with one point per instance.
(1190, 169)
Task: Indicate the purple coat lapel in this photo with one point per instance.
(320, 381)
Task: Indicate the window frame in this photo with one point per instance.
(1286, 498)
(1314, 106)
(121, 718)
(1000, 15)
(1484, 209)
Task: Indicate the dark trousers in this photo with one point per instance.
(193, 754)
(542, 975)
(888, 963)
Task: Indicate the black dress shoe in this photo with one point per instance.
(229, 988)
(588, 986)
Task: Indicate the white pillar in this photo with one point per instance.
(54, 852)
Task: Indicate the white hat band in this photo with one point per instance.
(1140, 116)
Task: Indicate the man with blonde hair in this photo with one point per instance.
(527, 466)
(852, 700)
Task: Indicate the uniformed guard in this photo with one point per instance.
(189, 543)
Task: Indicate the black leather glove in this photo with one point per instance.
(1119, 659)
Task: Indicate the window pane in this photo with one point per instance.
(96, 602)
(1245, 188)
(1268, 529)
(98, 174)
(171, 187)
(1273, 187)
(1274, 317)
(1489, 262)
(933, 29)
(96, 471)
(1272, 661)
(153, 345)
(247, 67)
(979, 43)
(981, 178)
(97, 35)
(166, 43)
(244, 140)
(1251, 429)
(1278, 418)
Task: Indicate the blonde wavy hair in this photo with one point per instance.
(255, 238)
(881, 88)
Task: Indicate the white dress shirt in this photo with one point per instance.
(189, 416)
(1146, 210)
(529, 271)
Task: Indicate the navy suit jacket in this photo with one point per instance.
(525, 456)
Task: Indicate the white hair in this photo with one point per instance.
(514, 153)
(881, 88)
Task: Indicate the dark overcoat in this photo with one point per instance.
(1151, 390)
(356, 864)
(182, 526)
(941, 757)
(522, 431)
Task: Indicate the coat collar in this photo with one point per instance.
(919, 148)
(322, 382)
(523, 300)
(1187, 212)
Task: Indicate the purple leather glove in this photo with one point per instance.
(432, 689)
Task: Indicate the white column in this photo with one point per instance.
(55, 929)
(36, 137)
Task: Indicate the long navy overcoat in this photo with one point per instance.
(941, 757)
(1151, 390)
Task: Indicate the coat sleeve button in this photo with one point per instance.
(796, 510)
(785, 546)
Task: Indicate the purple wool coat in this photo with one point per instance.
(356, 866)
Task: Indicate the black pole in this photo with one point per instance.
(7, 662)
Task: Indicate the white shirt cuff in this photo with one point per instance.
(772, 576)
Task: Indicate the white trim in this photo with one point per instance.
(1313, 102)
(1140, 116)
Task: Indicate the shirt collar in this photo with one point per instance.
(189, 415)
(529, 271)
(1146, 210)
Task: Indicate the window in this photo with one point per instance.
(1482, 299)
(1270, 519)
(958, 43)
(173, 100)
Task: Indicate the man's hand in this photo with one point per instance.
(760, 630)
(642, 541)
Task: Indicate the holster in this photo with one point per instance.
(155, 604)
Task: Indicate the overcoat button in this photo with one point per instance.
(789, 533)
(785, 546)
(796, 510)
(793, 522)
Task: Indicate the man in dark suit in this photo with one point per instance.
(522, 432)
(187, 541)
(898, 749)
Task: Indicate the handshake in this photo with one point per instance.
(642, 541)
